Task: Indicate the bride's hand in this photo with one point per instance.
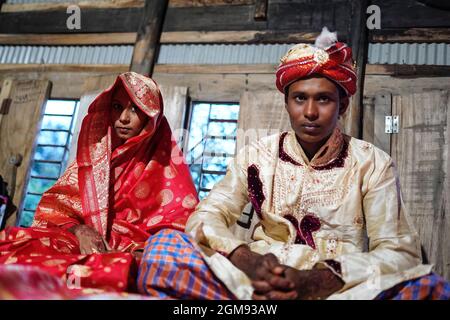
(90, 240)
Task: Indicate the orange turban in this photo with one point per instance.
(334, 62)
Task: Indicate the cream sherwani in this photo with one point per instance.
(314, 213)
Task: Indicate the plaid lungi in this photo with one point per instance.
(429, 287)
(172, 267)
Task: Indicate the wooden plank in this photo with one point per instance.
(250, 36)
(307, 16)
(360, 47)
(359, 43)
(399, 86)
(420, 151)
(383, 108)
(64, 68)
(215, 18)
(271, 117)
(212, 18)
(102, 4)
(283, 17)
(202, 87)
(149, 33)
(300, 16)
(19, 133)
(411, 35)
(204, 3)
(92, 21)
(207, 87)
(408, 71)
(118, 4)
(68, 39)
(215, 69)
(405, 14)
(260, 10)
(175, 107)
(438, 4)
(368, 119)
(65, 85)
(5, 98)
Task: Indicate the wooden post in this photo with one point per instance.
(149, 34)
(358, 40)
(261, 10)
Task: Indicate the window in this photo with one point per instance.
(211, 143)
(51, 154)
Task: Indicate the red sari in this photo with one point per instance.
(126, 194)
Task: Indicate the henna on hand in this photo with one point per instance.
(266, 274)
(89, 239)
(314, 284)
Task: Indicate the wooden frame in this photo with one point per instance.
(119, 4)
(68, 39)
(94, 68)
(250, 36)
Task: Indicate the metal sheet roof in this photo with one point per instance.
(410, 53)
(221, 53)
(386, 53)
(117, 54)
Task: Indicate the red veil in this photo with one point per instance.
(126, 194)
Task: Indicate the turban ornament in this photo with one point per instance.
(327, 57)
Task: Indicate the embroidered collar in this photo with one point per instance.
(331, 155)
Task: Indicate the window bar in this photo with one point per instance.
(52, 145)
(224, 120)
(43, 178)
(47, 161)
(57, 115)
(34, 194)
(221, 137)
(56, 130)
(223, 155)
(214, 172)
(66, 150)
(203, 152)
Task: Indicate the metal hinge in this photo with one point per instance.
(392, 124)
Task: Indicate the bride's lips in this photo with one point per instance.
(123, 130)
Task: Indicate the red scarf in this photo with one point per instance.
(131, 192)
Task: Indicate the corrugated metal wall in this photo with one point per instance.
(386, 53)
(221, 53)
(410, 53)
(67, 54)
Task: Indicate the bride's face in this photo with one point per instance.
(127, 119)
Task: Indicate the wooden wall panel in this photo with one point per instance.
(420, 151)
(175, 106)
(281, 15)
(398, 14)
(18, 131)
(261, 113)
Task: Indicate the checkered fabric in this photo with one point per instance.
(172, 267)
(429, 287)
